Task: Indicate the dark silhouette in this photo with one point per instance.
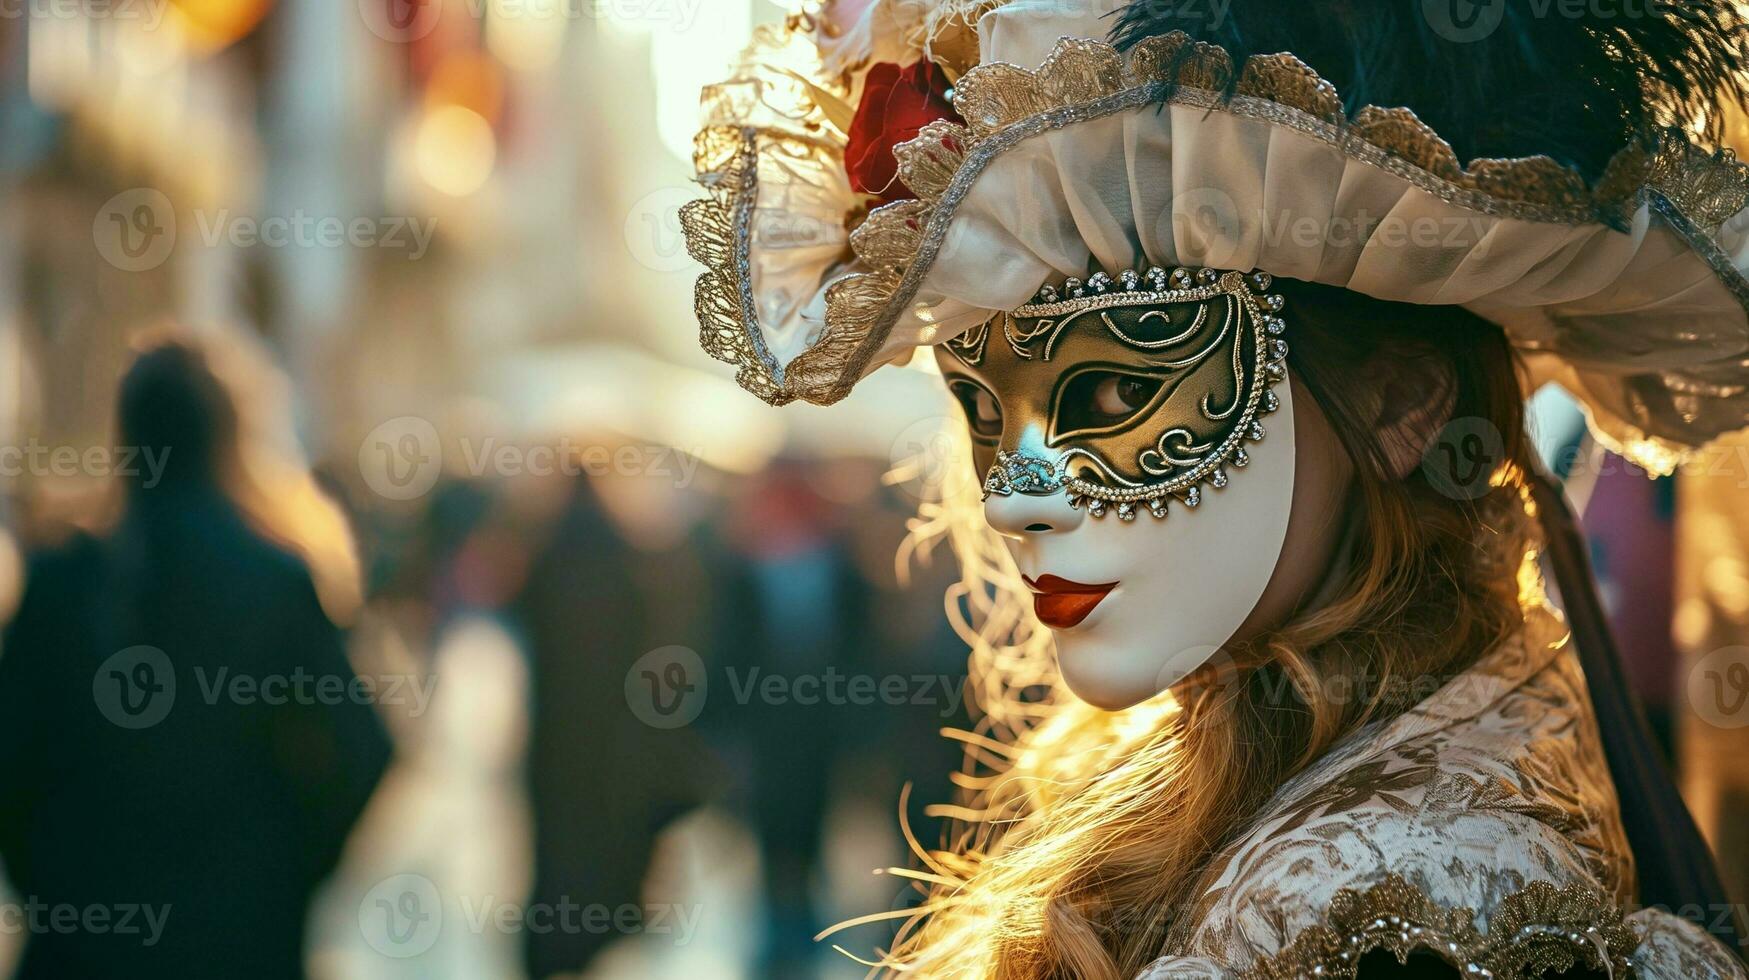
(182, 748)
(794, 606)
(602, 784)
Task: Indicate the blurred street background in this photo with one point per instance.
(644, 668)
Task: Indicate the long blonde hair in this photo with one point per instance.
(1081, 833)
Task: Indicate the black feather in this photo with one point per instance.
(1576, 80)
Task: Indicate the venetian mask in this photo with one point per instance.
(1120, 427)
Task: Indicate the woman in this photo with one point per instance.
(1240, 355)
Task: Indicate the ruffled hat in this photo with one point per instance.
(1086, 136)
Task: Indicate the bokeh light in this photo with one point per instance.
(455, 149)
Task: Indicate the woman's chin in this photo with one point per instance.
(1114, 673)
(1103, 675)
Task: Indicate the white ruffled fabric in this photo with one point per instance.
(1023, 32)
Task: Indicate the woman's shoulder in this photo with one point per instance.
(1480, 827)
(1389, 864)
(1496, 780)
(1410, 863)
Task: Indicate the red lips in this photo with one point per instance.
(1061, 604)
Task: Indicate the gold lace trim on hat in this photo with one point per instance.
(1083, 79)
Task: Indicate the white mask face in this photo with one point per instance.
(1095, 415)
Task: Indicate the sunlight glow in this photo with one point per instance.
(455, 150)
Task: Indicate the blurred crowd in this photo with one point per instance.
(136, 770)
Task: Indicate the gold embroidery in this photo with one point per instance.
(891, 235)
(716, 235)
(969, 346)
(927, 164)
(1707, 188)
(1536, 929)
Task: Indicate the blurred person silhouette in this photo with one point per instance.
(794, 619)
(602, 784)
(183, 748)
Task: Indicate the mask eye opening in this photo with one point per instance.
(1099, 400)
(982, 410)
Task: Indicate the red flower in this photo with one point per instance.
(896, 103)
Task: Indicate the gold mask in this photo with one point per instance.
(1123, 392)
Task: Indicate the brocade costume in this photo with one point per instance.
(1480, 827)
